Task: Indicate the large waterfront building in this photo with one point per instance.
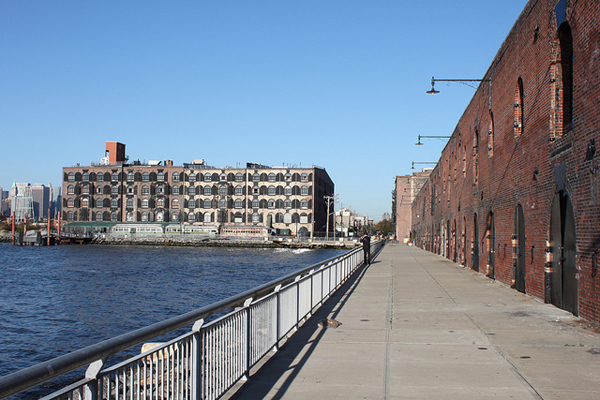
(406, 189)
(285, 198)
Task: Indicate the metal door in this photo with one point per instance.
(519, 267)
(564, 288)
(475, 251)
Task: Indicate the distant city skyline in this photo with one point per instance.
(338, 84)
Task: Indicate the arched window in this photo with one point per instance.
(175, 176)
(70, 189)
(518, 114)
(192, 217)
(70, 203)
(239, 190)
(145, 189)
(115, 177)
(223, 203)
(175, 190)
(304, 177)
(223, 177)
(192, 178)
(129, 203)
(287, 204)
(114, 190)
(255, 203)
(70, 216)
(207, 190)
(145, 177)
(287, 191)
(175, 203)
(160, 216)
(255, 218)
(207, 203)
(86, 177)
(239, 177)
(271, 204)
(207, 177)
(71, 177)
(304, 190)
(238, 203)
(207, 217)
(144, 216)
(175, 217)
(304, 204)
(100, 177)
(114, 203)
(272, 191)
(113, 216)
(272, 177)
(192, 190)
(130, 177)
(562, 82)
(256, 177)
(223, 190)
(160, 203)
(85, 202)
(99, 216)
(145, 203)
(192, 204)
(160, 177)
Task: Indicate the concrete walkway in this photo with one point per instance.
(417, 326)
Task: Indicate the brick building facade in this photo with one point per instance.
(276, 197)
(515, 192)
(405, 191)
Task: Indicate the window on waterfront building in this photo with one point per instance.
(271, 204)
(70, 216)
(255, 203)
(223, 203)
(70, 189)
(192, 204)
(207, 190)
(175, 217)
(239, 190)
(115, 177)
(129, 216)
(85, 189)
(100, 177)
(99, 203)
(175, 176)
(114, 190)
(255, 218)
(192, 190)
(175, 203)
(287, 191)
(255, 190)
(160, 203)
(192, 177)
(288, 177)
(239, 177)
(238, 203)
(304, 177)
(256, 177)
(70, 203)
(223, 177)
(223, 190)
(99, 190)
(175, 190)
(145, 177)
(160, 177)
(287, 218)
(207, 217)
(85, 202)
(160, 189)
(130, 177)
(114, 203)
(561, 82)
(304, 190)
(518, 109)
(144, 217)
(272, 191)
(130, 189)
(145, 203)
(304, 204)
(272, 177)
(71, 177)
(129, 203)
(160, 216)
(287, 204)
(113, 216)
(207, 177)
(145, 189)
(207, 203)
(192, 217)
(304, 219)
(99, 216)
(86, 177)
(491, 135)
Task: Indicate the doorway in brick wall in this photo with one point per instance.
(519, 249)
(490, 240)
(563, 280)
(475, 245)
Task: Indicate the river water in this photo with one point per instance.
(57, 299)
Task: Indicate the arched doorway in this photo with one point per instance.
(563, 281)
(490, 239)
(464, 242)
(475, 245)
(519, 249)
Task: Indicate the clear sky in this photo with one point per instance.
(337, 84)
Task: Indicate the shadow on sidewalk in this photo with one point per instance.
(304, 341)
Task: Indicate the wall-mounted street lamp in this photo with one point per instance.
(467, 82)
(430, 137)
(422, 162)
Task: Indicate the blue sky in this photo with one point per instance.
(338, 84)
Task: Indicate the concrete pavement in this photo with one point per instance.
(417, 326)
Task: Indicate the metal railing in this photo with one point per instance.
(207, 361)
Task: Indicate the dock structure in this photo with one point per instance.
(416, 325)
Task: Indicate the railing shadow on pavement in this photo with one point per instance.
(264, 379)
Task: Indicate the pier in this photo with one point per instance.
(416, 325)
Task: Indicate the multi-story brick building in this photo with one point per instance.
(405, 191)
(515, 192)
(277, 197)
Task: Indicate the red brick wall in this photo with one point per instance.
(476, 176)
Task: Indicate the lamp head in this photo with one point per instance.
(432, 91)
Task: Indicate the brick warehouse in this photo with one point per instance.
(515, 192)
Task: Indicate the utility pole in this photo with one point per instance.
(328, 199)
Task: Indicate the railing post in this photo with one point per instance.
(297, 285)
(248, 338)
(90, 390)
(277, 316)
(197, 360)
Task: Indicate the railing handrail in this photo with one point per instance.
(24, 379)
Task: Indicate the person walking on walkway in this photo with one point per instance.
(366, 242)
